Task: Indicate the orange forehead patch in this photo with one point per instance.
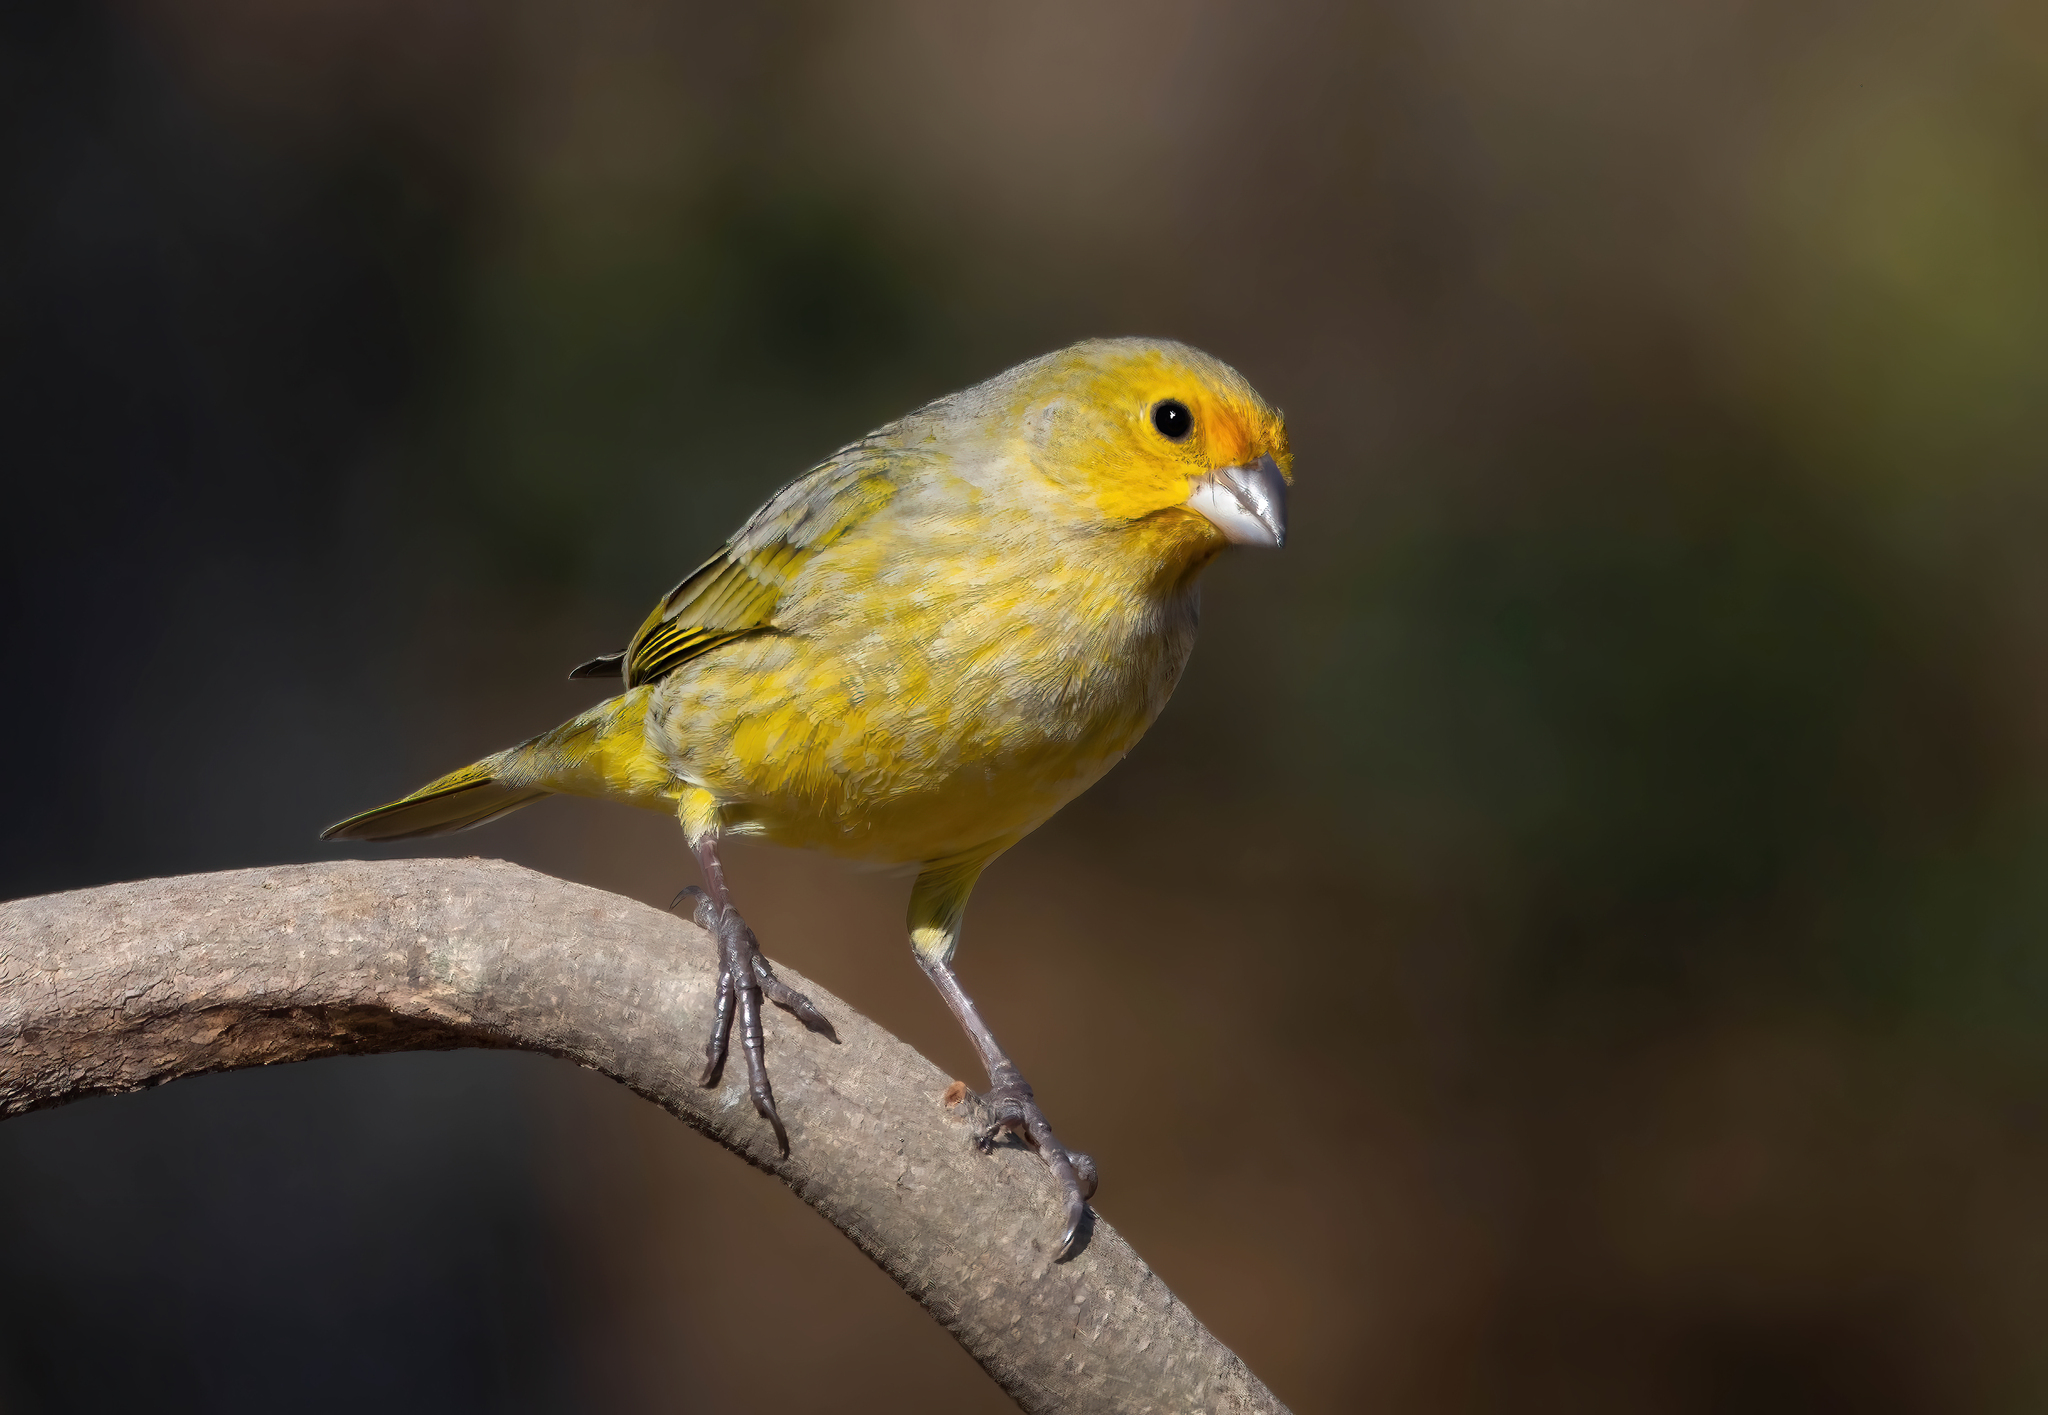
(1226, 437)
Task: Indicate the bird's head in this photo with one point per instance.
(1147, 430)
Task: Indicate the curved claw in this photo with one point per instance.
(1009, 1106)
(790, 1000)
(1059, 1160)
(1077, 1218)
(1083, 1171)
(764, 1106)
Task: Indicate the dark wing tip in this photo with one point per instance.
(606, 665)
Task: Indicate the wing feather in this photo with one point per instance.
(736, 591)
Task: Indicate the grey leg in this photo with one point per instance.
(743, 976)
(1008, 1105)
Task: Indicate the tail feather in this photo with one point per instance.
(455, 802)
(570, 758)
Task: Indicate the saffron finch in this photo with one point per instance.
(914, 654)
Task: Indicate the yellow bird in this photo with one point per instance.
(915, 653)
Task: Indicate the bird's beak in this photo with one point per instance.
(1248, 503)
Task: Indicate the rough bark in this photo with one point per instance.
(131, 985)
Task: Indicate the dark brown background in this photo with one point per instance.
(1576, 941)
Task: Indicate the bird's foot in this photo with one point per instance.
(744, 977)
(1008, 1107)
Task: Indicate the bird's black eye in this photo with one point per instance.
(1172, 418)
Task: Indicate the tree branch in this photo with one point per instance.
(131, 985)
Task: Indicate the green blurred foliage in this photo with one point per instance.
(617, 403)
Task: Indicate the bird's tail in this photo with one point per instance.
(574, 757)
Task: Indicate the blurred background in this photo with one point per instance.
(1577, 941)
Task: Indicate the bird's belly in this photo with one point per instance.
(876, 753)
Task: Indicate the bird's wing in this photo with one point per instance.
(736, 591)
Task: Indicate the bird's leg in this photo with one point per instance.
(739, 990)
(937, 903)
(1008, 1105)
(743, 976)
